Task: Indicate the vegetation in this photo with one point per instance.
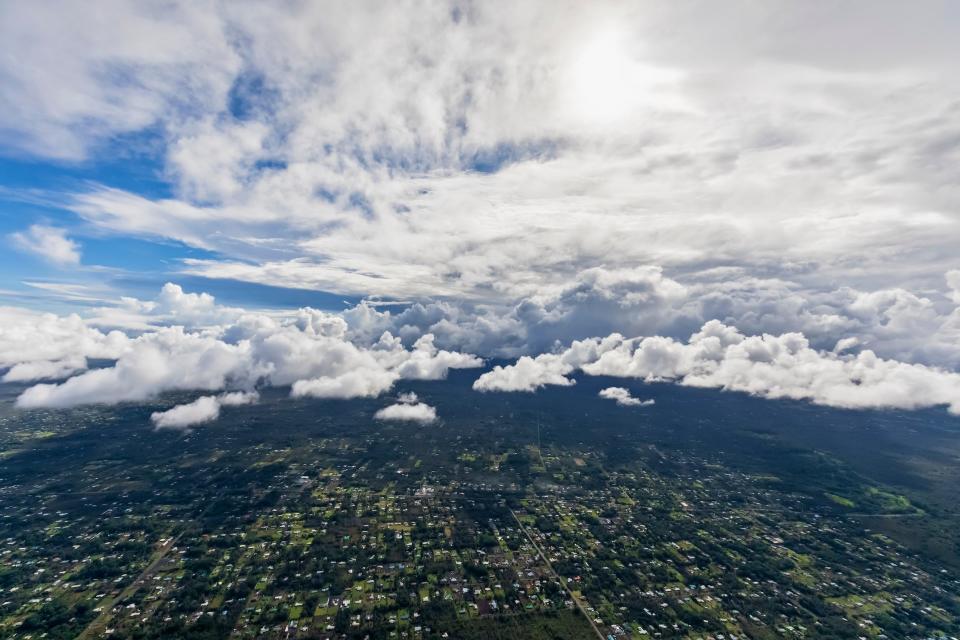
(706, 514)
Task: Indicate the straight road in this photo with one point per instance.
(562, 582)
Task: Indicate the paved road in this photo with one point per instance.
(562, 582)
(98, 625)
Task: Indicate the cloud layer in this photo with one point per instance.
(307, 350)
(719, 356)
(323, 355)
(893, 322)
(495, 155)
(43, 345)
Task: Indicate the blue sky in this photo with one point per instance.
(111, 263)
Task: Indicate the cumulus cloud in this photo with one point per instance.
(40, 339)
(529, 374)
(893, 322)
(45, 369)
(623, 398)
(424, 361)
(238, 398)
(308, 350)
(172, 306)
(203, 409)
(771, 366)
(953, 282)
(169, 359)
(49, 243)
(325, 355)
(357, 383)
(526, 374)
(404, 411)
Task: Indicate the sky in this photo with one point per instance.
(766, 192)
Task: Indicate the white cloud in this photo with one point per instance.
(308, 350)
(203, 409)
(623, 398)
(526, 176)
(50, 243)
(953, 282)
(408, 397)
(172, 306)
(238, 398)
(526, 374)
(482, 163)
(315, 353)
(529, 374)
(357, 383)
(214, 159)
(403, 411)
(894, 323)
(45, 369)
(424, 361)
(29, 337)
(78, 77)
(169, 359)
(783, 366)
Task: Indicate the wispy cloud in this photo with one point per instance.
(510, 149)
(49, 243)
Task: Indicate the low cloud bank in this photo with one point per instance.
(623, 398)
(308, 350)
(44, 346)
(45, 370)
(719, 356)
(326, 355)
(643, 301)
